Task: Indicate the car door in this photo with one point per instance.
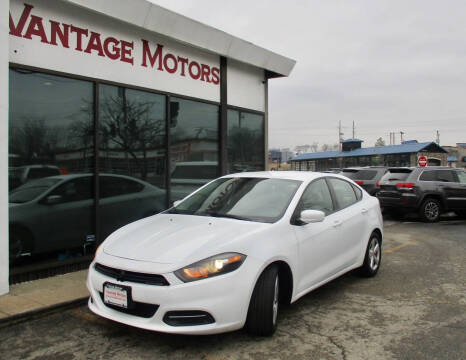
(353, 230)
(317, 242)
(455, 190)
(121, 202)
(69, 222)
(462, 189)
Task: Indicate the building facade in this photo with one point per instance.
(457, 155)
(109, 106)
(353, 155)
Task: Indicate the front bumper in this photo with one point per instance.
(225, 298)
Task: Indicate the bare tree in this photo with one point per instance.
(33, 141)
(130, 126)
(329, 147)
(302, 149)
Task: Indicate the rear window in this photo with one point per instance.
(445, 176)
(360, 174)
(396, 174)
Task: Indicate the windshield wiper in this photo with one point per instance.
(223, 215)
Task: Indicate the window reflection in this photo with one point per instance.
(51, 132)
(245, 141)
(132, 144)
(193, 145)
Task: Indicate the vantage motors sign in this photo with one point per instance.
(58, 36)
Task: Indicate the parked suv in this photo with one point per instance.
(21, 175)
(366, 177)
(426, 190)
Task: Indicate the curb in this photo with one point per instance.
(46, 310)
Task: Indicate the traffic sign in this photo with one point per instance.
(422, 161)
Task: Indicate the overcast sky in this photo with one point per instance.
(388, 65)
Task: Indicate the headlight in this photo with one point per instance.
(213, 266)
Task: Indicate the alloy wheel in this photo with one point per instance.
(431, 210)
(275, 301)
(374, 254)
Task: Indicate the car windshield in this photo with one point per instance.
(31, 190)
(251, 199)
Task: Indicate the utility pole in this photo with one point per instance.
(392, 138)
(438, 138)
(353, 129)
(340, 134)
(401, 137)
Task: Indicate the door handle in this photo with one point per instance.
(337, 223)
(364, 210)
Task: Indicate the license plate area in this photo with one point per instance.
(117, 295)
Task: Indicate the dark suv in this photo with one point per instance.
(366, 177)
(426, 190)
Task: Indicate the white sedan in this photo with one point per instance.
(229, 254)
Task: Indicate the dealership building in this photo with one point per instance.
(112, 110)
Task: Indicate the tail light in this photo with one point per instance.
(377, 185)
(405, 185)
(359, 182)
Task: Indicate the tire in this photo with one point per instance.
(430, 210)
(263, 307)
(373, 257)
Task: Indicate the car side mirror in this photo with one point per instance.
(176, 203)
(53, 199)
(312, 216)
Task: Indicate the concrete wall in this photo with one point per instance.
(4, 148)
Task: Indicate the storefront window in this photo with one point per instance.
(132, 156)
(51, 159)
(193, 145)
(245, 141)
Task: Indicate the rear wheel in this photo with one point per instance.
(430, 210)
(373, 256)
(263, 308)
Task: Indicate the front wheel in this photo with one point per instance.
(263, 308)
(430, 211)
(373, 256)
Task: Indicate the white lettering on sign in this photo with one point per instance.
(80, 39)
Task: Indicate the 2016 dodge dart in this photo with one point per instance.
(228, 255)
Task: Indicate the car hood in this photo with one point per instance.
(173, 238)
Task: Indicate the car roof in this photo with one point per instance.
(288, 175)
(38, 167)
(73, 176)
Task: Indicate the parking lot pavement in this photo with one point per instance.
(415, 308)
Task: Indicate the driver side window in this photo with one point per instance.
(75, 190)
(317, 197)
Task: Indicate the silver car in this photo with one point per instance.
(57, 212)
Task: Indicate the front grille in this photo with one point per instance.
(130, 276)
(137, 308)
